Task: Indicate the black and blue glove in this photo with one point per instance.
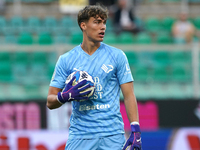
(76, 92)
(134, 141)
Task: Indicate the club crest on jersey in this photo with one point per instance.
(107, 68)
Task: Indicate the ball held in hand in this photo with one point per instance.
(80, 76)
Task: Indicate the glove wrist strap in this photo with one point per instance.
(135, 122)
(59, 98)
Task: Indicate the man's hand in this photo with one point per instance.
(134, 140)
(71, 93)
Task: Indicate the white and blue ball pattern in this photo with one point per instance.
(82, 75)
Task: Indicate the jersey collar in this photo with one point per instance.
(93, 55)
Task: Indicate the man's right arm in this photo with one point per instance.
(69, 93)
(52, 102)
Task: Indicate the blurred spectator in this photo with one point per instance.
(183, 30)
(124, 19)
(2, 6)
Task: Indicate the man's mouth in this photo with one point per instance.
(101, 34)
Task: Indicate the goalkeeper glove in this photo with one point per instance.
(134, 140)
(71, 93)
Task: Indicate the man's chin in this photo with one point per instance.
(97, 41)
(101, 40)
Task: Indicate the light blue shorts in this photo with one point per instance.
(114, 142)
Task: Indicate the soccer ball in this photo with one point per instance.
(82, 75)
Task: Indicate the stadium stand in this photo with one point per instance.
(31, 41)
(160, 69)
(11, 39)
(143, 38)
(2, 24)
(125, 38)
(164, 38)
(197, 22)
(6, 72)
(167, 23)
(141, 73)
(76, 38)
(161, 58)
(152, 24)
(32, 24)
(180, 58)
(25, 38)
(132, 57)
(45, 38)
(111, 38)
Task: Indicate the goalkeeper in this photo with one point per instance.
(96, 122)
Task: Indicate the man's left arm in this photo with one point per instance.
(130, 102)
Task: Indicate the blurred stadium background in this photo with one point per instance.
(33, 33)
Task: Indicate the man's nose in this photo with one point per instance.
(103, 27)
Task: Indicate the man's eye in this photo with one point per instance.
(98, 22)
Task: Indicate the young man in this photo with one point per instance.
(96, 123)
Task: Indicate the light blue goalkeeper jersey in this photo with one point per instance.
(100, 115)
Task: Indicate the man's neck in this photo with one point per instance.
(90, 47)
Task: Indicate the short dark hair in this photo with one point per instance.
(92, 11)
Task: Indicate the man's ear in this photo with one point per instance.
(83, 25)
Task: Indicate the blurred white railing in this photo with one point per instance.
(195, 69)
(61, 48)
